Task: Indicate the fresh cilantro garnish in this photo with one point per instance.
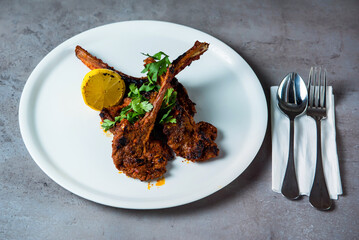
(139, 104)
(167, 118)
(169, 101)
(157, 56)
(107, 124)
(134, 91)
(158, 68)
(141, 107)
(154, 70)
(149, 87)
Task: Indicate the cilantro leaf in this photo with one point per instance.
(158, 68)
(141, 107)
(166, 118)
(146, 106)
(168, 95)
(107, 124)
(125, 110)
(135, 104)
(134, 91)
(157, 56)
(171, 120)
(147, 66)
(169, 99)
(132, 117)
(139, 104)
(148, 87)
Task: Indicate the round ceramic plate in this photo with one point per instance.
(65, 139)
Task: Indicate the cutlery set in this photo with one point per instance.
(294, 98)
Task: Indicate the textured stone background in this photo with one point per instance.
(274, 37)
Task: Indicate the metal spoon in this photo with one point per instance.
(292, 98)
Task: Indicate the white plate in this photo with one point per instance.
(64, 137)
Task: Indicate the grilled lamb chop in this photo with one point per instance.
(193, 141)
(188, 139)
(134, 151)
(93, 62)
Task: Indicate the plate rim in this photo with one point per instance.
(75, 187)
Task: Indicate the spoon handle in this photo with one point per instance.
(319, 196)
(290, 185)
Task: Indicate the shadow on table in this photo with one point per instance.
(339, 91)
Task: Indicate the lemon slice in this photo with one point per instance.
(102, 88)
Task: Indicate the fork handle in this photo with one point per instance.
(290, 185)
(319, 196)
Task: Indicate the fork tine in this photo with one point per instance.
(319, 88)
(315, 87)
(310, 88)
(324, 105)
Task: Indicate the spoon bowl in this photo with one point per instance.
(292, 95)
(292, 98)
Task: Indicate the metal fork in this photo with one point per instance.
(317, 109)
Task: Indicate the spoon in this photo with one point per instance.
(292, 98)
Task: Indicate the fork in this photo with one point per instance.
(317, 109)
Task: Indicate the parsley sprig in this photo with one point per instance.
(158, 68)
(154, 70)
(168, 102)
(139, 104)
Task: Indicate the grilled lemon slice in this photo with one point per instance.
(102, 88)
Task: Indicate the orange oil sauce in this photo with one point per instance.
(186, 161)
(160, 182)
(149, 185)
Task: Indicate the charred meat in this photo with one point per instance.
(141, 149)
(134, 151)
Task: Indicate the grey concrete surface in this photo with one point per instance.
(274, 37)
